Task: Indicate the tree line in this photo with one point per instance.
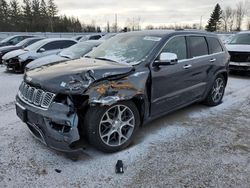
(229, 19)
(38, 16)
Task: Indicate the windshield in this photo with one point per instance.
(243, 39)
(126, 48)
(7, 39)
(108, 36)
(23, 42)
(77, 50)
(84, 38)
(36, 45)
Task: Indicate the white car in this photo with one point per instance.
(239, 49)
(18, 59)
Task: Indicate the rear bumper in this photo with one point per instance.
(239, 66)
(54, 127)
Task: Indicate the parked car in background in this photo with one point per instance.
(74, 52)
(108, 36)
(239, 49)
(18, 59)
(225, 38)
(23, 44)
(13, 40)
(127, 81)
(91, 37)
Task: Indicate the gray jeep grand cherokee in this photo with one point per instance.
(124, 83)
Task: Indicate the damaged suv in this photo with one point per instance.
(126, 82)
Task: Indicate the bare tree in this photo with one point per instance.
(241, 11)
(228, 16)
(134, 24)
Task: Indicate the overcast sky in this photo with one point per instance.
(155, 12)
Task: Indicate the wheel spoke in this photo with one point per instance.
(117, 125)
(108, 119)
(128, 122)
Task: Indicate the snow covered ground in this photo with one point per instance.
(194, 147)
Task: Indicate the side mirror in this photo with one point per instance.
(166, 59)
(41, 50)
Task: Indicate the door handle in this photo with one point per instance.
(187, 66)
(212, 60)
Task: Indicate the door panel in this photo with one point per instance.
(170, 87)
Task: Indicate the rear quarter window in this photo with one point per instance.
(197, 46)
(214, 45)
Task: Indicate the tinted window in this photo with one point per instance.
(178, 46)
(214, 45)
(198, 46)
(65, 43)
(51, 46)
(95, 37)
(58, 45)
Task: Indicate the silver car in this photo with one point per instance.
(18, 59)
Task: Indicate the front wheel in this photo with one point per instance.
(217, 91)
(112, 129)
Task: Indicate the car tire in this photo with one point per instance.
(216, 92)
(112, 128)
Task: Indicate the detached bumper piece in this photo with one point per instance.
(55, 127)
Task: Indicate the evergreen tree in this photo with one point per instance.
(44, 16)
(52, 12)
(4, 16)
(27, 15)
(36, 15)
(215, 19)
(15, 15)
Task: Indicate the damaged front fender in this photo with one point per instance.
(110, 91)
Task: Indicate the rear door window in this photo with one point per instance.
(65, 43)
(214, 45)
(51, 46)
(95, 37)
(178, 46)
(197, 46)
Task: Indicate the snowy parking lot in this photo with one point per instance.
(194, 147)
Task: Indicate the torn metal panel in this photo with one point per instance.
(110, 92)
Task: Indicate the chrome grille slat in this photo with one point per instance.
(36, 96)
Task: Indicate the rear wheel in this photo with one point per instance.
(217, 91)
(111, 129)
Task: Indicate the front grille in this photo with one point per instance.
(36, 96)
(240, 56)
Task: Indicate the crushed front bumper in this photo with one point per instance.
(239, 66)
(12, 64)
(55, 127)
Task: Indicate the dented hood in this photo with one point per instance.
(56, 78)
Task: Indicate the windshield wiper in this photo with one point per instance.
(105, 59)
(87, 56)
(66, 56)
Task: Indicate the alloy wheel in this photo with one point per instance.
(117, 125)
